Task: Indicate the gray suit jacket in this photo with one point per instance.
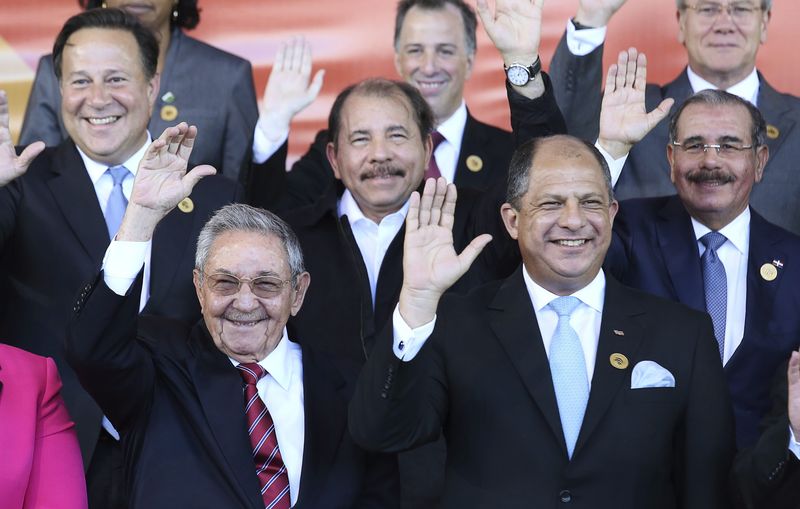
(212, 89)
(577, 84)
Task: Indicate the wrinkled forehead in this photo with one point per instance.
(712, 122)
(376, 112)
(248, 254)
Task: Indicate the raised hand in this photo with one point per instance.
(597, 13)
(794, 393)
(290, 88)
(11, 164)
(430, 262)
(515, 28)
(624, 119)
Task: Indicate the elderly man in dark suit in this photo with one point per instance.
(60, 206)
(557, 383)
(722, 41)
(667, 246)
(230, 412)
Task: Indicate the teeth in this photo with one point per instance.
(571, 243)
(431, 85)
(102, 120)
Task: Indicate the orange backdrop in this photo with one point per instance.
(352, 39)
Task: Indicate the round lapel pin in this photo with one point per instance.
(618, 360)
(186, 205)
(772, 132)
(169, 112)
(768, 272)
(474, 163)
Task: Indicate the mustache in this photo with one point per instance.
(240, 316)
(383, 170)
(710, 176)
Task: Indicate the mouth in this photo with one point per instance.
(244, 320)
(430, 86)
(103, 120)
(137, 8)
(570, 242)
(383, 173)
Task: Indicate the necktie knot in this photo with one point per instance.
(713, 240)
(564, 306)
(251, 373)
(437, 138)
(118, 174)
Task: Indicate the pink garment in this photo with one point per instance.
(40, 462)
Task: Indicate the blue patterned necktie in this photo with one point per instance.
(115, 208)
(568, 368)
(715, 284)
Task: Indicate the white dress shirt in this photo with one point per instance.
(585, 319)
(373, 239)
(281, 390)
(447, 152)
(733, 254)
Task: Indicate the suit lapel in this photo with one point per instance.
(513, 320)
(325, 423)
(773, 107)
(472, 144)
(169, 244)
(219, 389)
(677, 243)
(620, 333)
(73, 192)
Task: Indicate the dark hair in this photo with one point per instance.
(188, 13)
(380, 87)
(467, 17)
(519, 170)
(758, 128)
(111, 19)
(765, 4)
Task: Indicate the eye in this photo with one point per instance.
(224, 284)
(116, 79)
(742, 10)
(398, 136)
(549, 205)
(446, 51)
(267, 285)
(79, 82)
(592, 203)
(708, 10)
(693, 148)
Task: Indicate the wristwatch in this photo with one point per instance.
(520, 75)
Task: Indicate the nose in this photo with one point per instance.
(245, 299)
(98, 95)
(429, 62)
(710, 158)
(572, 216)
(725, 18)
(378, 149)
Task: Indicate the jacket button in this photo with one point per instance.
(565, 496)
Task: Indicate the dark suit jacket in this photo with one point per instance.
(767, 475)
(52, 240)
(655, 250)
(484, 377)
(213, 90)
(577, 82)
(178, 404)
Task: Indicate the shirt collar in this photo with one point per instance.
(348, 207)
(278, 363)
(453, 128)
(746, 89)
(737, 231)
(593, 294)
(96, 169)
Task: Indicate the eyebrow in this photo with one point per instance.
(721, 139)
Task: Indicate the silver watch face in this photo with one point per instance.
(518, 75)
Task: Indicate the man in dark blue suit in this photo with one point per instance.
(717, 153)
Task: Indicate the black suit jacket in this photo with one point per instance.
(53, 237)
(654, 249)
(484, 377)
(178, 404)
(577, 82)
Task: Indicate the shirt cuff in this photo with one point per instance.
(263, 147)
(614, 165)
(794, 446)
(122, 263)
(408, 341)
(583, 42)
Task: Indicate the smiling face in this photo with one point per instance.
(380, 154)
(721, 50)
(432, 55)
(243, 326)
(154, 14)
(563, 225)
(106, 97)
(715, 189)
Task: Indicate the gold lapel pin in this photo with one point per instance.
(168, 98)
(186, 205)
(772, 132)
(474, 163)
(169, 112)
(768, 272)
(619, 332)
(618, 361)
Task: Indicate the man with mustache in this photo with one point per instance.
(707, 247)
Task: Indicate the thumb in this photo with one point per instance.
(28, 155)
(471, 252)
(660, 113)
(193, 177)
(316, 86)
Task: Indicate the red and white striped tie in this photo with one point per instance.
(271, 471)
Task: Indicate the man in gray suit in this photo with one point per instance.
(721, 41)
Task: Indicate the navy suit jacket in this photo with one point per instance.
(654, 249)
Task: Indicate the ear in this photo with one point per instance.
(330, 152)
(671, 159)
(397, 64)
(765, 17)
(152, 90)
(510, 217)
(299, 292)
(612, 210)
(470, 62)
(681, 17)
(428, 143)
(198, 287)
(762, 156)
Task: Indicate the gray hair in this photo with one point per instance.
(765, 4)
(244, 218)
(519, 170)
(758, 127)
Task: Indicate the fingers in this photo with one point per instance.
(438, 200)
(794, 368)
(640, 77)
(187, 143)
(622, 69)
(611, 79)
(412, 219)
(3, 110)
(449, 208)
(425, 202)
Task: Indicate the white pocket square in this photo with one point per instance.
(647, 374)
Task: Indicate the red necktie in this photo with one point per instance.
(271, 471)
(433, 169)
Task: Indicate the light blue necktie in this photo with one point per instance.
(568, 368)
(115, 208)
(715, 283)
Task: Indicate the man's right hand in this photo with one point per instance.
(793, 376)
(11, 164)
(597, 13)
(430, 262)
